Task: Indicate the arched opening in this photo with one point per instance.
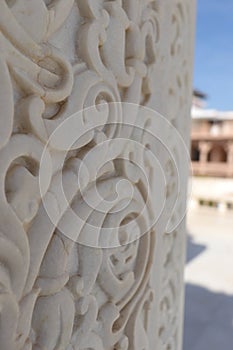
(195, 153)
(217, 154)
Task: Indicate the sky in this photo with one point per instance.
(213, 70)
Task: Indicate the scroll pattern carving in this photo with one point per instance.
(55, 293)
(171, 301)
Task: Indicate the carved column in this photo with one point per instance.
(204, 147)
(93, 187)
(230, 153)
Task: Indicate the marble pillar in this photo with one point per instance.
(93, 186)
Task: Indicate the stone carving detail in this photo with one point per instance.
(59, 57)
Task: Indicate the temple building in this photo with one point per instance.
(212, 140)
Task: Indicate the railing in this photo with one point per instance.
(212, 169)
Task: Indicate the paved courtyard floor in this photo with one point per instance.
(209, 281)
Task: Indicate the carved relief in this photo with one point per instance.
(57, 58)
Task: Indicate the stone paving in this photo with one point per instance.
(208, 321)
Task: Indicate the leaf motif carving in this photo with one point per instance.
(80, 265)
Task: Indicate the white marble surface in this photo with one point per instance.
(64, 183)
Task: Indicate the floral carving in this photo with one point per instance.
(57, 292)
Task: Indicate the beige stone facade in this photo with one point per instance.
(212, 143)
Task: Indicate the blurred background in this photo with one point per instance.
(208, 321)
